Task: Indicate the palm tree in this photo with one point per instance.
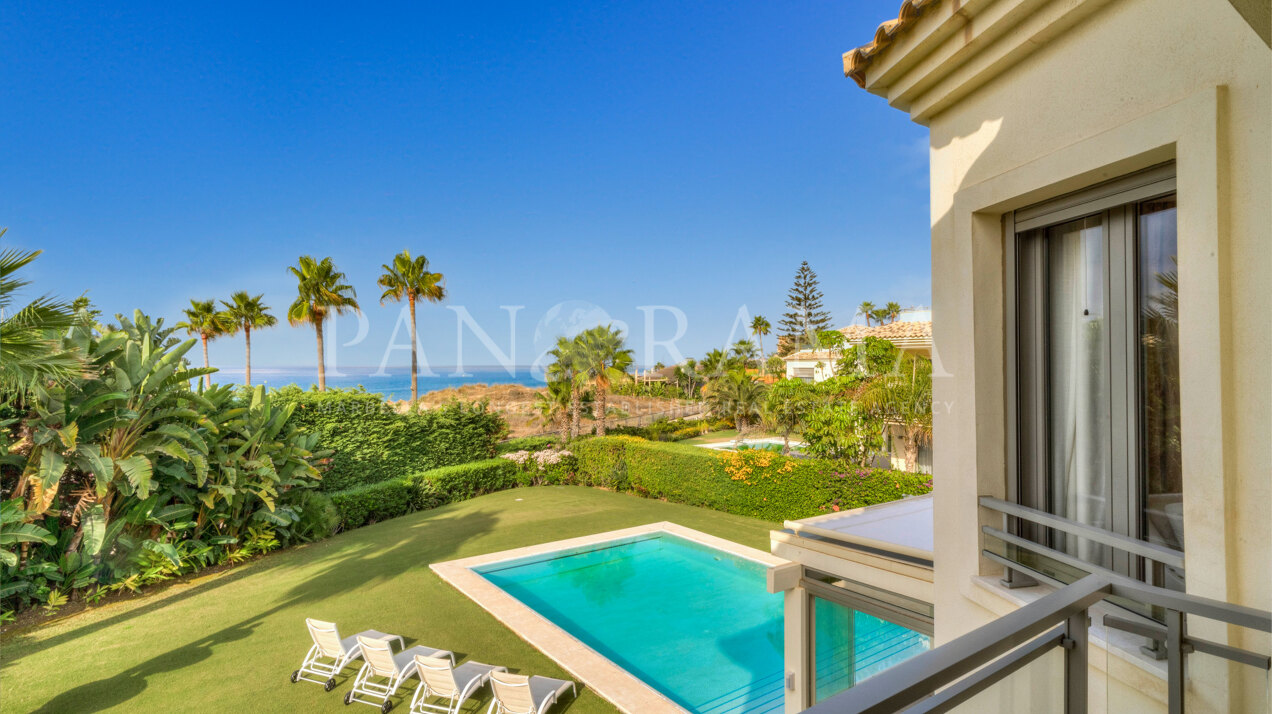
(409, 278)
(203, 319)
(760, 327)
(604, 360)
(866, 309)
(320, 291)
(893, 311)
(744, 352)
(715, 363)
(244, 312)
(904, 396)
(567, 369)
(31, 349)
(554, 406)
(735, 395)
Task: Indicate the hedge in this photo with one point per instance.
(427, 489)
(527, 443)
(372, 442)
(759, 484)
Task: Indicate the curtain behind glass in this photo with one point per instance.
(1078, 381)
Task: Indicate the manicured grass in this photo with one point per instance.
(228, 642)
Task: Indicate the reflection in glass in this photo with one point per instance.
(850, 645)
(1158, 308)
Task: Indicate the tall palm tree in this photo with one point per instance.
(204, 320)
(320, 291)
(604, 361)
(410, 278)
(31, 348)
(760, 327)
(866, 309)
(567, 369)
(553, 406)
(244, 312)
(893, 311)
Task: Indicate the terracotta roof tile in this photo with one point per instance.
(856, 61)
(890, 331)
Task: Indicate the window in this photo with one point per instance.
(1094, 392)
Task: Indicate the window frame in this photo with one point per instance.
(1115, 202)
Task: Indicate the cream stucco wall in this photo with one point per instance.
(1029, 100)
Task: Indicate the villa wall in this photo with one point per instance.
(1077, 92)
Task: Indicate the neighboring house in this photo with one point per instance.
(819, 365)
(812, 365)
(1101, 241)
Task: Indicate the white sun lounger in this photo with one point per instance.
(330, 653)
(380, 662)
(519, 694)
(441, 679)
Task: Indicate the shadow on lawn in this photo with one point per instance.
(371, 563)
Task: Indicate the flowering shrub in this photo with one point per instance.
(549, 466)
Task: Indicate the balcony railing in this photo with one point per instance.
(951, 675)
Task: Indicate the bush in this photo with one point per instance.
(456, 483)
(760, 484)
(376, 502)
(527, 443)
(372, 442)
(546, 467)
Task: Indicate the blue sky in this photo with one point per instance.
(603, 155)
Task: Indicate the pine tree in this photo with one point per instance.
(806, 317)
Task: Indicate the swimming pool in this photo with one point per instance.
(692, 621)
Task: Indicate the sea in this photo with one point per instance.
(392, 383)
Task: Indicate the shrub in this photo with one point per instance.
(456, 483)
(372, 442)
(375, 502)
(547, 467)
(602, 460)
(758, 483)
(527, 443)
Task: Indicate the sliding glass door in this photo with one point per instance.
(1095, 393)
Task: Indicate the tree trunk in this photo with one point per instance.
(207, 378)
(247, 333)
(911, 451)
(322, 367)
(576, 408)
(786, 442)
(600, 400)
(763, 367)
(415, 387)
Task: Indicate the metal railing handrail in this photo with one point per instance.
(1160, 553)
(942, 678)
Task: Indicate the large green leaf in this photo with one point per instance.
(137, 470)
(93, 523)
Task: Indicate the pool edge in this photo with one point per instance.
(616, 685)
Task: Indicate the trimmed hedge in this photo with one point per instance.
(759, 484)
(420, 491)
(756, 483)
(527, 443)
(464, 481)
(372, 442)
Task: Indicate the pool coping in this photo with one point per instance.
(616, 685)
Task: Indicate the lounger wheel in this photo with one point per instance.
(295, 676)
(329, 685)
(348, 699)
(385, 707)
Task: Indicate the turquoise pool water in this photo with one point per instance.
(694, 622)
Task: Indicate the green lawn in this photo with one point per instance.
(228, 642)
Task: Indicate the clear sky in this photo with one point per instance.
(607, 155)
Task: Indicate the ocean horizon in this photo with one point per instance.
(394, 383)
